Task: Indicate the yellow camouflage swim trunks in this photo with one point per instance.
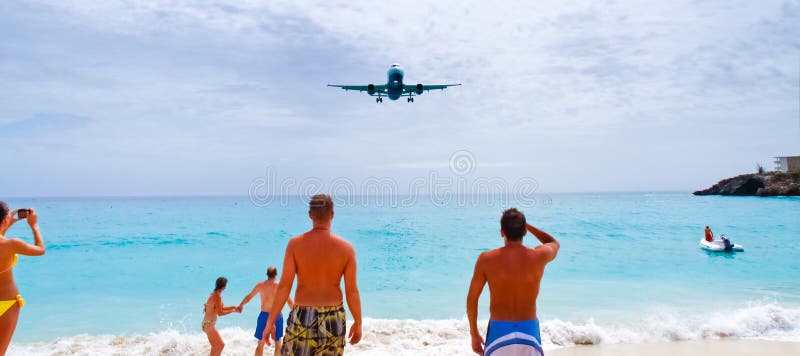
(315, 331)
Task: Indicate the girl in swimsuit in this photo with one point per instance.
(212, 309)
(10, 300)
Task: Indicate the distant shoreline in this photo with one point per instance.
(768, 184)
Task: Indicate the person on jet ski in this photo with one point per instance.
(727, 243)
(709, 234)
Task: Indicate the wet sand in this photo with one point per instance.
(708, 348)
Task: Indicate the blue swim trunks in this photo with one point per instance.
(513, 338)
(262, 323)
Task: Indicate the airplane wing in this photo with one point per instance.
(409, 89)
(376, 88)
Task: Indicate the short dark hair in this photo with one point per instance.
(221, 283)
(513, 224)
(3, 210)
(272, 272)
(320, 206)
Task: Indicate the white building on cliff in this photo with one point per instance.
(787, 163)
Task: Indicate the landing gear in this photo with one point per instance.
(378, 100)
(410, 99)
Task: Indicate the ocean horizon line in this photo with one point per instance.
(158, 196)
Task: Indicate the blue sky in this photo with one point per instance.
(199, 97)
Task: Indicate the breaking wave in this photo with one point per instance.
(451, 337)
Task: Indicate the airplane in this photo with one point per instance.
(394, 87)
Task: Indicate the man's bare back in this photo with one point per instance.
(266, 289)
(321, 259)
(513, 274)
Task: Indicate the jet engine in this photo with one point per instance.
(371, 89)
(419, 88)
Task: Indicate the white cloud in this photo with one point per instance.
(563, 84)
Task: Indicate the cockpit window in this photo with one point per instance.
(395, 65)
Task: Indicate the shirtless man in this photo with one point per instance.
(513, 273)
(320, 259)
(266, 289)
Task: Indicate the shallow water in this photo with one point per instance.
(628, 262)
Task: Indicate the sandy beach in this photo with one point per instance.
(707, 348)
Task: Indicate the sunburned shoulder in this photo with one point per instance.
(334, 241)
(296, 240)
(11, 243)
(503, 252)
(490, 255)
(341, 245)
(333, 237)
(341, 241)
(6, 247)
(505, 249)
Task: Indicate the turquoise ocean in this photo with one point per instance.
(130, 275)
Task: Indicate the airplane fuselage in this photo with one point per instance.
(394, 87)
(394, 84)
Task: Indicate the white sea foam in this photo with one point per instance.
(762, 321)
(451, 337)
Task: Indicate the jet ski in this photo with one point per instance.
(721, 245)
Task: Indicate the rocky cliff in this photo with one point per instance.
(766, 184)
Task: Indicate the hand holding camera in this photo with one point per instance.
(26, 214)
(33, 219)
(22, 213)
